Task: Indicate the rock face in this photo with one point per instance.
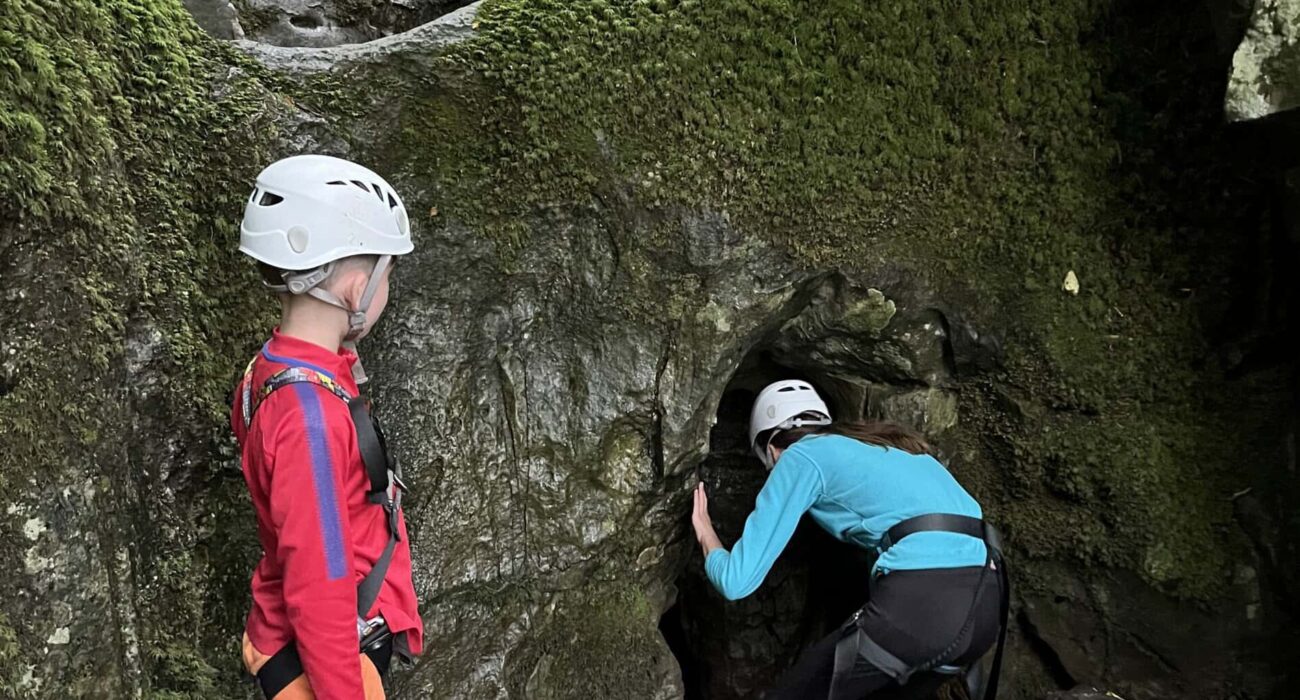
(216, 17)
(630, 216)
(1083, 693)
(1266, 68)
(314, 22)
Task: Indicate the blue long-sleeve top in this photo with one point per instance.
(856, 492)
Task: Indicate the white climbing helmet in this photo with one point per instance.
(308, 211)
(779, 405)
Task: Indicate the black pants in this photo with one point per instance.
(914, 615)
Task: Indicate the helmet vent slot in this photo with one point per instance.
(379, 192)
(337, 182)
(362, 186)
(270, 199)
(392, 203)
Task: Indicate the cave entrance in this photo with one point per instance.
(738, 649)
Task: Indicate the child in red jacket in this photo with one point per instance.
(332, 594)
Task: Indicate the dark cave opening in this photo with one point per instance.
(738, 649)
(307, 21)
(673, 629)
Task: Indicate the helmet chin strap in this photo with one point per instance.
(357, 316)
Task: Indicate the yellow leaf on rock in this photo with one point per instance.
(1071, 284)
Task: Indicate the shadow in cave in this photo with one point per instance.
(739, 649)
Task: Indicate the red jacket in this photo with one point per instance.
(320, 535)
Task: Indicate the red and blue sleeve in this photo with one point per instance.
(308, 504)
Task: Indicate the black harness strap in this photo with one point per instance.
(941, 522)
(385, 489)
(369, 444)
(281, 669)
(856, 642)
(383, 472)
(991, 686)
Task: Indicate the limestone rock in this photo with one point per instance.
(637, 214)
(320, 23)
(1265, 77)
(217, 17)
(415, 44)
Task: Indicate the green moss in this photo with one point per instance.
(180, 673)
(600, 643)
(12, 682)
(869, 315)
(707, 102)
(984, 149)
(119, 188)
(988, 150)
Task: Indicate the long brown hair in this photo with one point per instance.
(871, 431)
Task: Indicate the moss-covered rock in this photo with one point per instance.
(602, 644)
(987, 150)
(964, 159)
(617, 202)
(119, 188)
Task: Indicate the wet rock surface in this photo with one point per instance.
(604, 276)
(217, 17)
(1266, 68)
(1083, 693)
(316, 23)
(415, 45)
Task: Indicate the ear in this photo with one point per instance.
(352, 284)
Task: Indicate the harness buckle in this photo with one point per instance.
(365, 627)
(392, 523)
(857, 615)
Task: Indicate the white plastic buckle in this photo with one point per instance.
(301, 282)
